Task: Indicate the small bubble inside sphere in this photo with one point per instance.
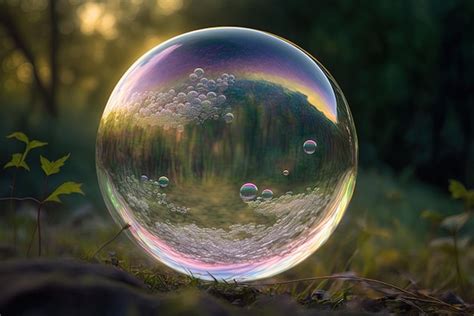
(267, 194)
(309, 146)
(229, 117)
(163, 181)
(248, 191)
(211, 116)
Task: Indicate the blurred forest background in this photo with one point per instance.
(405, 67)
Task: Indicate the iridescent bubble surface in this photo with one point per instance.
(169, 116)
(248, 192)
(267, 194)
(229, 117)
(309, 146)
(163, 181)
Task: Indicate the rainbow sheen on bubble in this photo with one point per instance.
(198, 124)
(163, 181)
(248, 192)
(267, 194)
(309, 146)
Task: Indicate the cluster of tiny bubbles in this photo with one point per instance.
(248, 192)
(309, 146)
(150, 191)
(163, 181)
(199, 100)
(137, 203)
(285, 172)
(161, 199)
(267, 194)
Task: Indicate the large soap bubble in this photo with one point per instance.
(201, 123)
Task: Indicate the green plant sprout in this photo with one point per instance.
(49, 168)
(18, 161)
(453, 244)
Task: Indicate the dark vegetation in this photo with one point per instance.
(343, 289)
(406, 68)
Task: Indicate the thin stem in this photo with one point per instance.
(125, 227)
(456, 259)
(409, 295)
(407, 301)
(12, 207)
(12, 201)
(25, 199)
(38, 224)
(38, 219)
(21, 199)
(31, 241)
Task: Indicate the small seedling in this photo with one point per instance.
(49, 168)
(18, 161)
(452, 225)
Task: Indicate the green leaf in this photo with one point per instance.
(17, 162)
(65, 188)
(457, 189)
(470, 198)
(36, 143)
(19, 136)
(455, 222)
(432, 216)
(52, 167)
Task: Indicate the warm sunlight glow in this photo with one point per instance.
(24, 72)
(93, 17)
(168, 7)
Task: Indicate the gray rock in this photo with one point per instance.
(67, 287)
(70, 287)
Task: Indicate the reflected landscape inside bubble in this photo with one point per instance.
(229, 151)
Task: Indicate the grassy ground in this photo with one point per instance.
(384, 256)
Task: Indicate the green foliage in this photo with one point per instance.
(433, 216)
(49, 168)
(65, 188)
(18, 159)
(52, 167)
(455, 222)
(453, 245)
(459, 191)
(36, 144)
(19, 136)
